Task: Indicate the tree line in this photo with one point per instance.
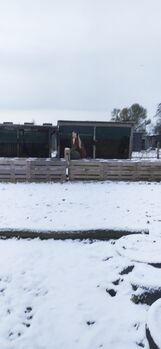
(137, 115)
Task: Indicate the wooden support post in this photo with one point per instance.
(67, 158)
(158, 147)
(131, 142)
(94, 145)
(28, 170)
(67, 154)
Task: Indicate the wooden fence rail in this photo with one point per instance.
(34, 170)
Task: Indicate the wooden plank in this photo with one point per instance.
(43, 162)
(4, 171)
(5, 162)
(19, 162)
(5, 175)
(84, 172)
(5, 167)
(20, 168)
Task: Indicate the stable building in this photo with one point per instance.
(27, 140)
(102, 140)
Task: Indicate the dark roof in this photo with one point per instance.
(27, 125)
(94, 123)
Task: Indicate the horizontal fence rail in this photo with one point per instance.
(44, 170)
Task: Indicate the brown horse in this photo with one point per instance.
(77, 146)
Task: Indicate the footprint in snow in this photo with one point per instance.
(111, 292)
(27, 317)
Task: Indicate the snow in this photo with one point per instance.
(58, 290)
(148, 154)
(134, 249)
(154, 322)
(146, 277)
(56, 294)
(75, 206)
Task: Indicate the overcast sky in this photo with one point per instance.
(84, 55)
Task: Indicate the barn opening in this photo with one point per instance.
(102, 140)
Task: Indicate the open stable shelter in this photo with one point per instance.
(26, 140)
(102, 140)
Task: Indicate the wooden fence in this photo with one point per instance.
(115, 170)
(34, 170)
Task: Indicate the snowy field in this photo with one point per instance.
(53, 295)
(78, 205)
(72, 294)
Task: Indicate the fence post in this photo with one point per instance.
(158, 147)
(67, 159)
(12, 170)
(28, 170)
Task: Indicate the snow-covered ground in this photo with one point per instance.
(72, 294)
(54, 294)
(146, 155)
(78, 205)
